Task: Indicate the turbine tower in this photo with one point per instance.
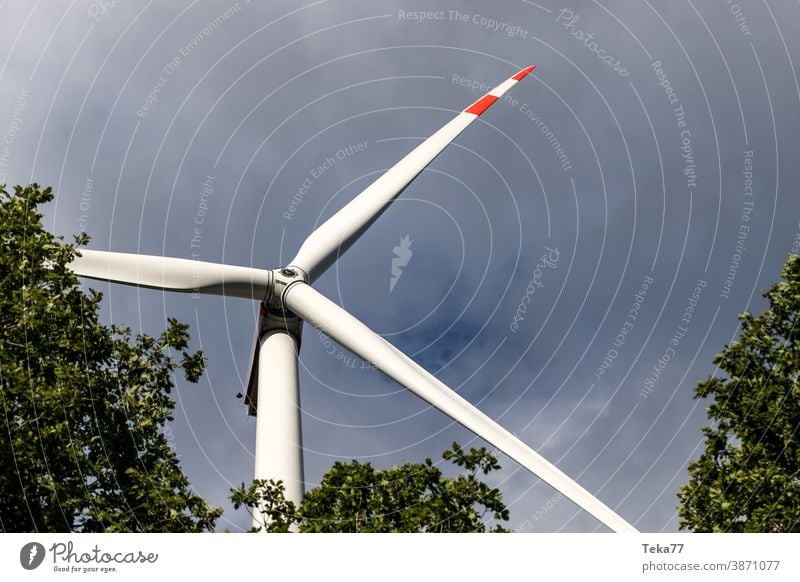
(287, 299)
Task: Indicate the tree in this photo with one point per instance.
(356, 497)
(748, 477)
(83, 406)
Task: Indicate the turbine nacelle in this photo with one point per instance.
(273, 315)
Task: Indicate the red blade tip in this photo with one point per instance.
(523, 72)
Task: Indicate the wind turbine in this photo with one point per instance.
(287, 299)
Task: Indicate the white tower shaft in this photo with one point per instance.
(279, 445)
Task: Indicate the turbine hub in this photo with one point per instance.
(282, 279)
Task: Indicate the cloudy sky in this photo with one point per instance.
(651, 159)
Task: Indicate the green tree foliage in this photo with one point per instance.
(748, 477)
(83, 406)
(356, 497)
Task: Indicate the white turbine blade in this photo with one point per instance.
(180, 275)
(359, 339)
(321, 249)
